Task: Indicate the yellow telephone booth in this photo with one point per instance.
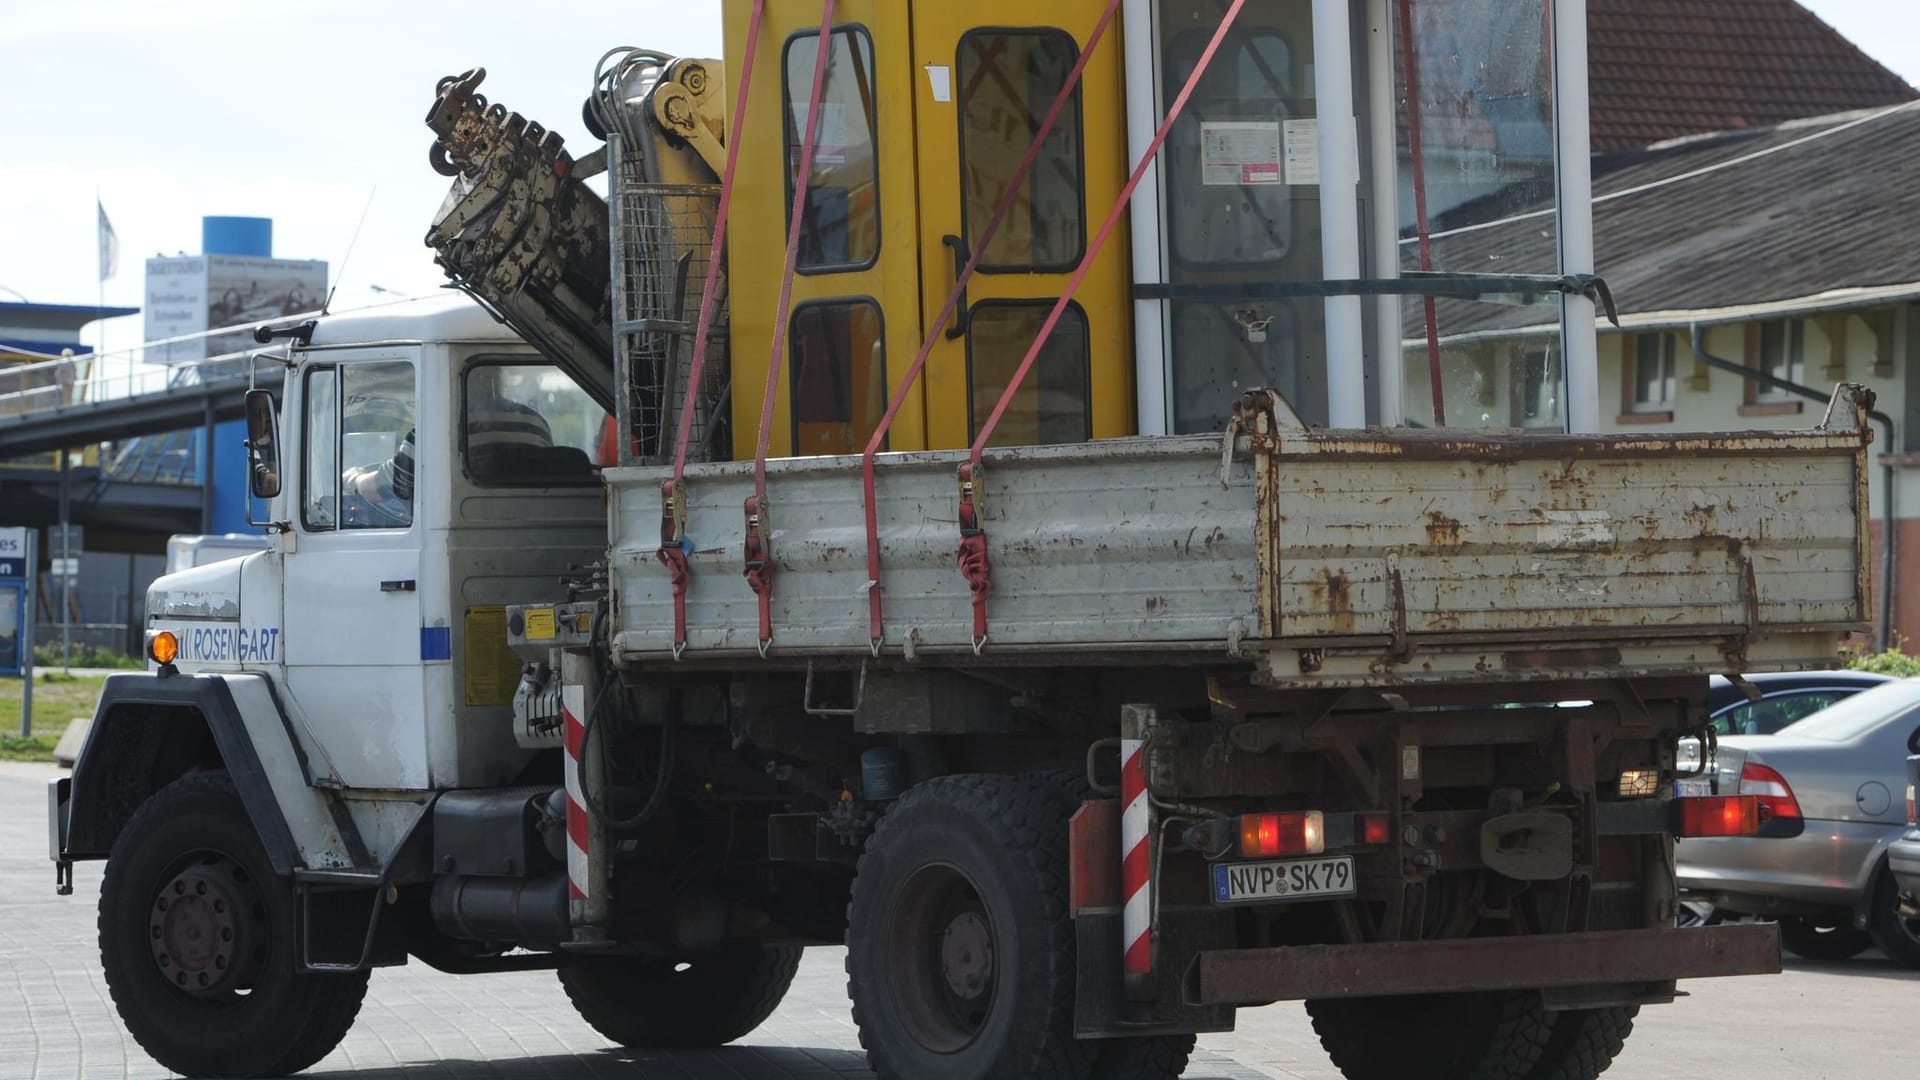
(926, 112)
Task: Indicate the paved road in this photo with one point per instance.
(1831, 1021)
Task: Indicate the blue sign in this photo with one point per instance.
(13, 553)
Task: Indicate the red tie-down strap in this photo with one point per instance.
(673, 556)
(937, 327)
(759, 571)
(673, 512)
(973, 554)
(758, 547)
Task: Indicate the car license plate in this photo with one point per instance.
(1698, 788)
(1276, 882)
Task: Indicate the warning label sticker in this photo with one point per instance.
(1238, 152)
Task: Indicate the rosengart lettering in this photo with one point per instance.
(230, 644)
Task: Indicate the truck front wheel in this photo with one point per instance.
(699, 1002)
(960, 951)
(197, 943)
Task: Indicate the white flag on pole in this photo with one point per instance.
(109, 244)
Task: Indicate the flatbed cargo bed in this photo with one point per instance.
(1329, 558)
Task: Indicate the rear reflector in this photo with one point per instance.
(1373, 829)
(1263, 836)
(1717, 815)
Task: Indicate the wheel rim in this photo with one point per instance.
(206, 927)
(942, 958)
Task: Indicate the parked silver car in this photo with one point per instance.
(1831, 790)
(1903, 857)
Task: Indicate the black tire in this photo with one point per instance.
(197, 943)
(960, 957)
(1584, 1043)
(1823, 938)
(1897, 936)
(700, 1002)
(1495, 1036)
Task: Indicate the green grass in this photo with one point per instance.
(57, 699)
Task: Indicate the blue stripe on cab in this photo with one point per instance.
(436, 643)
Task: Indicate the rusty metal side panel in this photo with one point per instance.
(1118, 544)
(1402, 536)
(1610, 957)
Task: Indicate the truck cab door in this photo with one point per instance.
(986, 73)
(353, 641)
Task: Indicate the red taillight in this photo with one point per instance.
(1267, 835)
(1776, 798)
(1718, 815)
(1373, 829)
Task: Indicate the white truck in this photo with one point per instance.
(1382, 719)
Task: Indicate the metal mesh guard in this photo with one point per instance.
(663, 237)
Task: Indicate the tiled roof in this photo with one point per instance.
(1662, 69)
(1720, 221)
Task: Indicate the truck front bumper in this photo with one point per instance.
(1602, 958)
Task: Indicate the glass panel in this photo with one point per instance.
(1052, 405)
(1475, 139)
(1518, 384)
(1226, 155)
(529, 425)
(839, 361)
(376, 445)
(1008, 80)
(1228, 349)
(1239, 220)
(840, 222)
(320, 493)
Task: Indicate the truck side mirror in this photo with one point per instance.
(263, 444)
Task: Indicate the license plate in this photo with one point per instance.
(1277, 882)
(1698, 788)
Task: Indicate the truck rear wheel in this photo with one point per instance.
(1495, 1036)
(700, 1002)
(197, 943)
(1585, 1042)
(960, 951)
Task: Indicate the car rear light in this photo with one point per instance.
(1297, 833)
(1912, 818)
(1776, 798)
(1717, 815)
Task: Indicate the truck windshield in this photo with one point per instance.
(528, 425)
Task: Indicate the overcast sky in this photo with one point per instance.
(302, 111)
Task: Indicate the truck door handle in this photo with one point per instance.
(406, 585)
(961, 258)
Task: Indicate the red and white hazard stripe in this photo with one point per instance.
(573, 731)
(1136, 864)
